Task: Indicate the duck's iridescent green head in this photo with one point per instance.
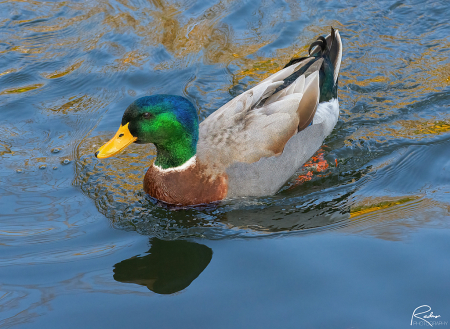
(169, 122)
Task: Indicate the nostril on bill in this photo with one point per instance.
(121, 135)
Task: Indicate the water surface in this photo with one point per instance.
(358, 238)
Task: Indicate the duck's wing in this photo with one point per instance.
(249, 136)
(259, 122)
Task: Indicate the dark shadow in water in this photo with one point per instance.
(168, 267)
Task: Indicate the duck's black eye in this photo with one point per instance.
(146, 115)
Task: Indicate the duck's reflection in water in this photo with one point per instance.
(168, 267)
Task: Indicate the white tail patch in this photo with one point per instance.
(339, 58)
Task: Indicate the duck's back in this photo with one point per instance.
(260, 138)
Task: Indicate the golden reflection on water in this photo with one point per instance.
(375, 205)
(407, 129)
(76, 103)
(389, 218)
(392, 83)
(186, 37)
(5, 148)
(21, 89)
(8, 71)
(63, 72)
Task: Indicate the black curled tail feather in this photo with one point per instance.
(320, 43)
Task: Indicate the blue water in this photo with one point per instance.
(360, 245)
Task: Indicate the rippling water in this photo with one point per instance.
(77, 233)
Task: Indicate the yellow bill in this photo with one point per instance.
(121, 139)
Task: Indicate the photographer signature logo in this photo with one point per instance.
(426, 317)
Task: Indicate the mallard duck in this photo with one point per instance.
(250, 146)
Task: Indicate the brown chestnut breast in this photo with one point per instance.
(187, 186)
